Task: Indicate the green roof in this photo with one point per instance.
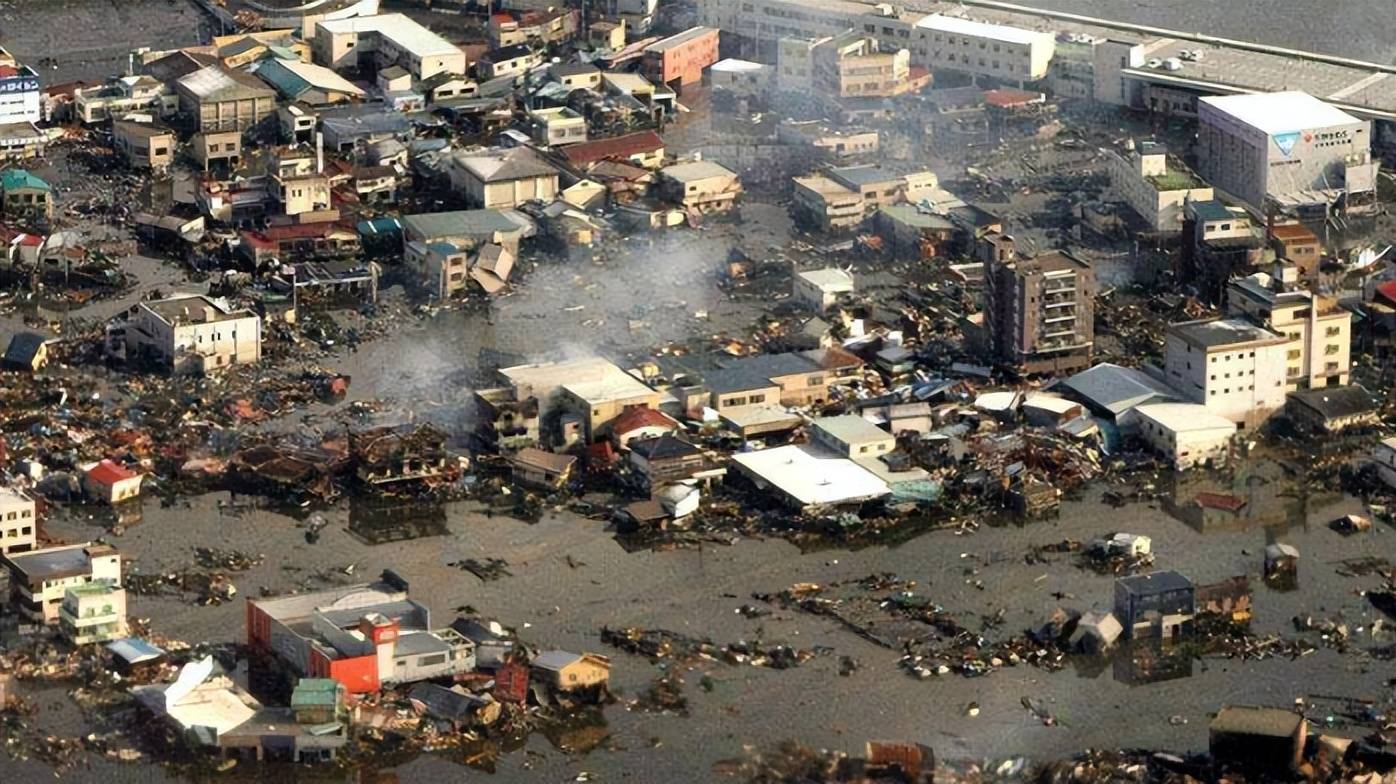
(14, 179)
(313, 692)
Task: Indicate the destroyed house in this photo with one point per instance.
(330, 283)
(365, 636)
(506, 423)
(1261, 740)
(1331, 409)
(541, 470)
(1159, 604)
(590, 392)
(567, 671)
(643, 148)
(385, 455)
(667, 458)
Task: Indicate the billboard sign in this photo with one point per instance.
(1286, 142)
(19, 84)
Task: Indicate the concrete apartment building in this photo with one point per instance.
(121, 96)
(144, 145)
(1289, 147)
(1317, 330)
(190, 333)
(18, 522)
(216, 98)
(680, 59)
(382, 41)
(1040, 312)
(996, 51)
(92, 613)
(741, 77)
(1233, 367)
(40, 578)
(852, 65)
(1155, 185)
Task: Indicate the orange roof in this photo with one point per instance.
(617, 147)
(1289, 232)
(1230, 503)
(636, 418)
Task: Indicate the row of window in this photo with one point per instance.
(23, 514)
(21, 532)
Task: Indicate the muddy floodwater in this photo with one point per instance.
(568, 576)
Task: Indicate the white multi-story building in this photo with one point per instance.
(1289, 147)
(123, 95)
(389, 39)
(189, 333)
(1233, 367)
(40, 578)
(1155, 187)
(1010, 54)
(18, 522)
(21, 100)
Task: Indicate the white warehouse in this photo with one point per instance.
(1186, 434)
(1011, 54)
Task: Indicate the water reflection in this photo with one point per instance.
(1150, 661)
(1251, 491)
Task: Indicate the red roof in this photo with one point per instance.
(274, 235)
(8, 70)
(30, 240)
(637, 418)
(617, 147)
(1226, 501)
(1007, 98)
(109, 473)
(1387, 291)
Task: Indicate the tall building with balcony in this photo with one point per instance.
(1317, 330)
(1040, 315)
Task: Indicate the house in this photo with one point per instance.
(642, 148)
(188, 333)
(793, 379)
(1331, 409)
(557, 126)
(680, 59)
(25, 197)
(1232, 366)
(445, 86)
(111, 483)
(851, 436)
(319, 701)
(40, 578)
(1229, 599)
(1260, 740)
(18, 522)
(495, 179)
(494, 645)
(455, 706)
(134, 656)
(700, 186)
(806, 478)
(510, 60)
(27, 351)
(639, 424)
(93, 612)
(365, 636)
(123, 95)
(576, 76)
(1096, 632)
(223, 99)
(307, 83)
(668, 458)
(389, 454)
(506, 423)
(820, 289)
(465, 229)
(1185, 434)
(144, 145)
(566, 671)
(606, 34)
(216, 148)
(1297, 245)
(1158, 604)
(541, 470)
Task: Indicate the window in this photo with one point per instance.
(757, 398)
(432, 660)
(863, 450)
(1332, 332)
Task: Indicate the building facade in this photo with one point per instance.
(680, 59)
(191, 334)
(1318, 331)
(40, 578)
(18, 522)
(1232, 366)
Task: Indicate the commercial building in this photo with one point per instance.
(496, 179)
(189, 333)
(1318, 331)
(92, 613)
(680, 59)
(40, 578)
(382, 41)
(807, 478)
(365, 636)
(18, 522)
(1000, 52)
(21, 100)
(1155, 185)
(1288, 147)
(1185, 434)
(144, 145)
(217, 98)
(1041, 310)
(1232, 366)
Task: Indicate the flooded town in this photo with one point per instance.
(752, 391)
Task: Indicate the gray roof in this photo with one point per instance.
(858, 176)
(218, 84)
(851, 429)
(1155, 582)
(468, 223)
(757, 372)
(52, 563)
(1332, 402)
(419, 643)
(1211, 210)
(1246, 720)
(1222, 332)
(555, 660)
(1116, 389)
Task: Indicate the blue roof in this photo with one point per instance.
(380, 226)
(20, 178)
(134, 650)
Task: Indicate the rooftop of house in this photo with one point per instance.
(217, 84)
(17, 179)
(515, 163)
(757, 372)
(852, 429)
(665, 447)
(54, 563)
(1154, 583)
(641, 142)
(548, 462)
(1335, 402)
(1184, 417)
(467, 223)
(828, 279)
(811, 476)
(1247, 720)
(401, 29)
(696, 170)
